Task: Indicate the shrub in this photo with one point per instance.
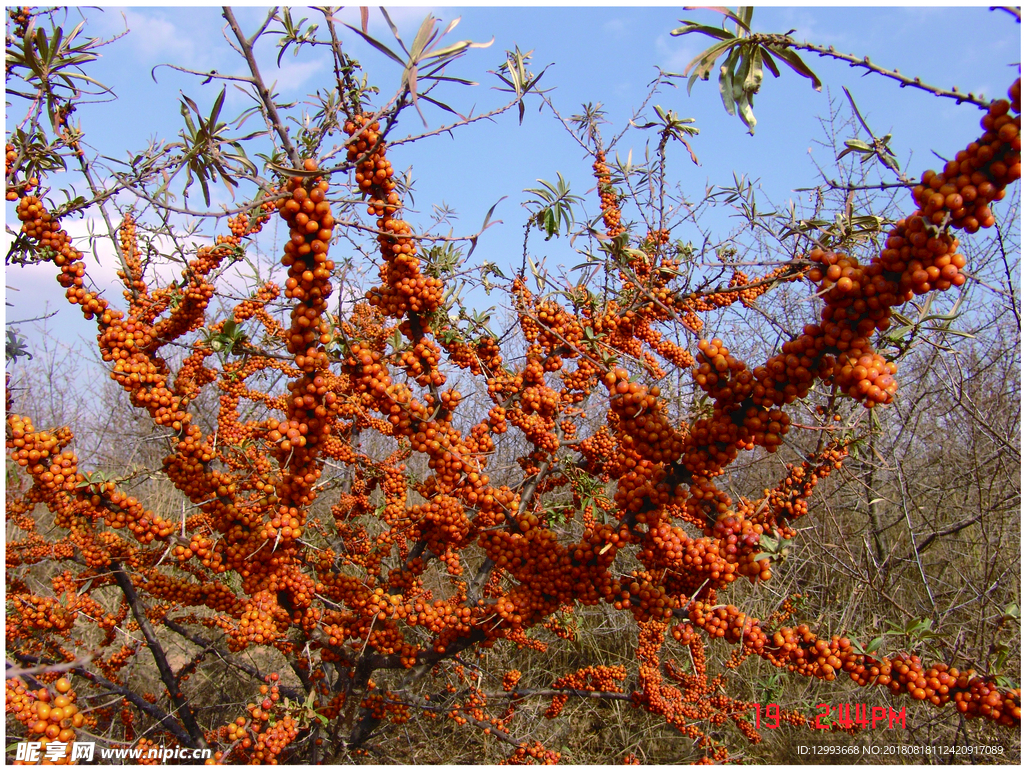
(359, 515)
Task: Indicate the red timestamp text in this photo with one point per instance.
(843, 716)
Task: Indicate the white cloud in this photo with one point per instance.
(615, 26)
(293, 73)
(36, 284)
(674, 53)
(806, 27)
(155, 37)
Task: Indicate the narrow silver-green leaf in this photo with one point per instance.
(394, 30)
(769, 62)
(746, 110)
(797, 65)
(725, 83)
(378, 45)
(755, 73)
(706, 59)
(721, 34)
(424, 36)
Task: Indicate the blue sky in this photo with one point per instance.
(597, 54)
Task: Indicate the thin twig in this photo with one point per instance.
(266, 98)
(784, 41)
(188, 719)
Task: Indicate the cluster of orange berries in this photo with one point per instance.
(788, 499)
(404, 287)
(123, 511)
(697, 561)
(20, 505)
(136, 289)
(748, 294)
(478, 356)
(596, 450)
(682, 707)
(525, 305)
(587, 679)
(736, 422)
(923, 258)
(641, 485)
(143, 746)
(919, 256)
(54, 243)
(16, 189)
(472, 710)
(558, 331)
(728, 623)
(193, 299)
(441, 522)
(690, 319)
(739, 539)
(213, 594)
(310, 226)
(113, 663)
(538, 429)
(656, 239)
(618, 327)
(858, 301)
(19, 16)
(45, 613)
(867, 377)
(271, 739)
(714, 442)
(539, 399)
(722, 376)
(789, 375)
(961, 193)
(130, 344)
(841, 277)
(384, 706)
(311, 402)
(257, 624)
(243, 225)
(643, 426)
(48, 717)
(720, 298)
(39, 453)
(644, 597)
(420, 362)
(368, 372)
(510, 679)
(609, 199)
(535, 753)
(576, 572)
